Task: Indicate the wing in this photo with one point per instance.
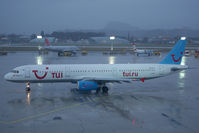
(109, 80)
(103, 80)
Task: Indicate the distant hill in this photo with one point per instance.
(125, 30)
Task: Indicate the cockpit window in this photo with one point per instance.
(15, 71)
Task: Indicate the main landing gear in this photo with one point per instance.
(103, 88)
(28, 87)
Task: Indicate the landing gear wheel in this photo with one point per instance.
(28, 87)
(105, 90)
(98, 90)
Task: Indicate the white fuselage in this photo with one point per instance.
(61, 48)
(143, 51)
(98, 72)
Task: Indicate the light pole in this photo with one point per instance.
(112, 38)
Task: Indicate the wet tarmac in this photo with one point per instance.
(167, 104)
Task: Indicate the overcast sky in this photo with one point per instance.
(32, 16)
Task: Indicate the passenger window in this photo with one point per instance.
(15, 71)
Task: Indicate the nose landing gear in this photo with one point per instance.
(28, 87)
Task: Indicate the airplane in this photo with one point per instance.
(142, 51)
(95, 76)
(62, 50)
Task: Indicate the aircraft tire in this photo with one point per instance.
(98, 90)
(105, 89)
(27, 89)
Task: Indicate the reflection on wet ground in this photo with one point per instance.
(110, 103)
(169, 103)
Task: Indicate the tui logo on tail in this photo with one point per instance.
(176, 60)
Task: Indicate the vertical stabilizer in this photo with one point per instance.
(47, 42)
(134, 47)
(176, 54)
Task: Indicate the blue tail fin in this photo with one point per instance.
(175, 55)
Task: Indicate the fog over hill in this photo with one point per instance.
(125, 30)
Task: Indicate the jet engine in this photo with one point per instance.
(87, 85)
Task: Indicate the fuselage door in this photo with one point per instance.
(115, 73)
(153, 71)
(27, 72)
(67, 71)
(161, 70)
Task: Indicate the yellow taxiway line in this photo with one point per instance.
(47, 113)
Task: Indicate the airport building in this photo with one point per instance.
(106, 40)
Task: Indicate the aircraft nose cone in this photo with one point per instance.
(7, 77)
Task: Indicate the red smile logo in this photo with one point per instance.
(176, 60)
(40, 77)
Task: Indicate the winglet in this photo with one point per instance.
(142, 79)
(176, 54)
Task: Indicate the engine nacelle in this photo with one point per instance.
(87, 85)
